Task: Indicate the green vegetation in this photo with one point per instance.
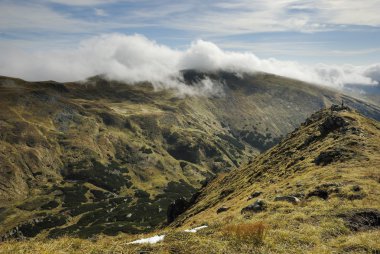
(330, 199)
(106, 158)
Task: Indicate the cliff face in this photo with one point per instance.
(103, 156)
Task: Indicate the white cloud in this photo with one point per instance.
(373, 72)
(83, 2)
(221, 18)
(255, 16)
(136, 58)
(37, 18)
(349, 12)
(100, 12)
(204, 18)
(244, 16)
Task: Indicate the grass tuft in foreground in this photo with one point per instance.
(246, 232)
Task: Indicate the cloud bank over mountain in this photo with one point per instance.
(135, 58)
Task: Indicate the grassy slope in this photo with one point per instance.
(314, 225)
(289, 169)
(130, 135)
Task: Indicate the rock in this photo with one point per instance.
(34, 226)
(12, 234)
(180, 205)
(353, 196)
(362, 219)
(323, 194)
(194, 198)
(329, 185)
(207, 181)
(255, 195)
(312, 138)
(331, 124)
(176, 208)
(324, 190)
(258, 206)
(332, 155)
(226, 193)
(336, 107)
(222, 209)
(50, 205)
(290, 199)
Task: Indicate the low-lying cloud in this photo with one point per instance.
(135, 58)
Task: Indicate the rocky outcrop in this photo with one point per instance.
(222, 209)
(324, 190)
(34, 226)
(362, 219)
(323, 194)
(254, 195)
(331, 124)
(290, 199)
(258, 206)
(176, 208)
(179, 206)
(332, 155)
(225, 193)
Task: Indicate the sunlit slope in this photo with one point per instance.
(317, 190)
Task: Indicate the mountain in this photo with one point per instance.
(101, 156)
(367, 93)
(317, 191)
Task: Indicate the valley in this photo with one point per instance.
(104, 157)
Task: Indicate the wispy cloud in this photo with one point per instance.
(100, 12)
(34, 19)
(83, 2)
(37, 19)
(220, 18)
(239, 17)
(294, 48)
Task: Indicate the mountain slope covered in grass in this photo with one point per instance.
(100, 156)
(317, 191)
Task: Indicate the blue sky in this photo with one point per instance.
(328, 31)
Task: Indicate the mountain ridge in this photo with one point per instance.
(326, 158)
(111, 157)
(317, 191)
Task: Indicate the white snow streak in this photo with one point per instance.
(194, 230)
(151, 240)
(159, 238)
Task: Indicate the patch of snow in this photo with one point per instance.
(159, 238)
(194, 230)
(151, 240)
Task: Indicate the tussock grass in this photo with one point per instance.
(313, 225)
(247, 232)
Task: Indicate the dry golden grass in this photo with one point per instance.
(246, 232)
(236, 238)
(313, 225)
